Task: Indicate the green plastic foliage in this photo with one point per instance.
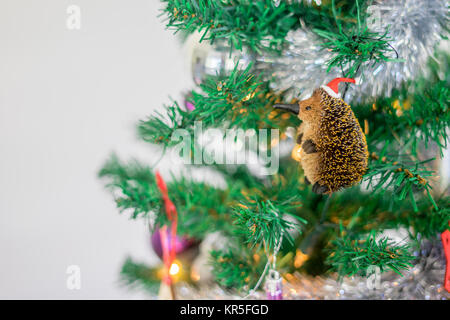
(354, 45)
(133, 186)
(402, 179)
(239, 101)
(139, 276)
(235, 269)
(257, 24)
(135, 190)
(353, 257)
(262, 225)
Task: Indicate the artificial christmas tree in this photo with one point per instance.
(277, 231)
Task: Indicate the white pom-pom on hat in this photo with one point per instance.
(332, 88)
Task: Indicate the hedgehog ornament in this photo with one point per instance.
(331, 146)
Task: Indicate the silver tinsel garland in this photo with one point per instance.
(301, 68)
(424, 281)
(415, 28)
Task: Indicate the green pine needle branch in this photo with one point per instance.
(262, 224)
(133, 186)
(241, 100)
(257, 24)
(402, 178)
(357, 257)
(135, 190)
(137, 275)
(236, 269)
(354, 44)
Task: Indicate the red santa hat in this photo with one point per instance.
(332, 87)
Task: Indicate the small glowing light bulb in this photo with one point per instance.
(174, 269)
(195, 276)
(296, 152)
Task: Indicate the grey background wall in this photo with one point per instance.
(68, 98)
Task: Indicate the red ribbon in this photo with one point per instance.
(445, 236)
(172, 216)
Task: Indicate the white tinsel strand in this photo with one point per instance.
(300, 68)
(415, 28)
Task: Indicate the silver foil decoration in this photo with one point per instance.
(301, 67)
(415, 28)
(424, 281)
(217, 59)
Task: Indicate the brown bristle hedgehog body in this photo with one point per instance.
(333, 148)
